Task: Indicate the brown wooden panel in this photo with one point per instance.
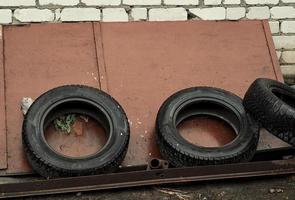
(38, 58)
(3, 149)
(146, 62)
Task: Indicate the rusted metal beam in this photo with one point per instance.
(152, 177)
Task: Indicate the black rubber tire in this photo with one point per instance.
(273, 104)
(209, 102)
(81, 100)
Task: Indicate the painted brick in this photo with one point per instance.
(114, 15)
(5, 16)
(17, 3)
(101, 2)
(274, 26)
(235, 13)
(142, 2)
(284, 42)
(288, 27)
(231, 2)
(34, 15)
(167, 14)
(59, 2)
(181, 2)
(217, 13)
(80, 14)
(288, 56)
(139, 14)
(261, 2)
(288, 71)
(283, 12)
(212, 2)
(258, 13)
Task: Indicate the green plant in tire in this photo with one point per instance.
(64, 123)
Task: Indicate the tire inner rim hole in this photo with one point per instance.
(86, 136)
(201, 124)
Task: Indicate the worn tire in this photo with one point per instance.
(80, 100)
(210, 102)
(273, 104)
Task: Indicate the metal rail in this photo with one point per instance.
(147, 177)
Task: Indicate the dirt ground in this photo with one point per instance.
(278, 188)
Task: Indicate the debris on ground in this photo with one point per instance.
(178, 193)
(26, 102)
(78, 194)
(276, 190)
(221, 194)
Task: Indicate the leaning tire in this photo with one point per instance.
(211, 102)
(80, 100)
(273, 104)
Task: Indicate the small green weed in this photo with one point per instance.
(64, 123)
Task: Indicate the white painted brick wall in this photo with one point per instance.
(217, 13)
(142, 2)
(231, 2)
(34, 15)
(80, 14)
(167, 14)
(114, 15)
(181, 2)
(212, 2)
(281, 14)
(15, 3)
(261, 2)
(101, 2)
(274, 26)
(284, 42)
(235, 13)
(258, 13)
(59, 2)
(288, 27)
(288, 56)
(139, 14)
(5, 16)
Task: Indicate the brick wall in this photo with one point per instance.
(281, 14)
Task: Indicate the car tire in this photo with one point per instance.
(209, 102)
(82, 100)
(273, 104)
